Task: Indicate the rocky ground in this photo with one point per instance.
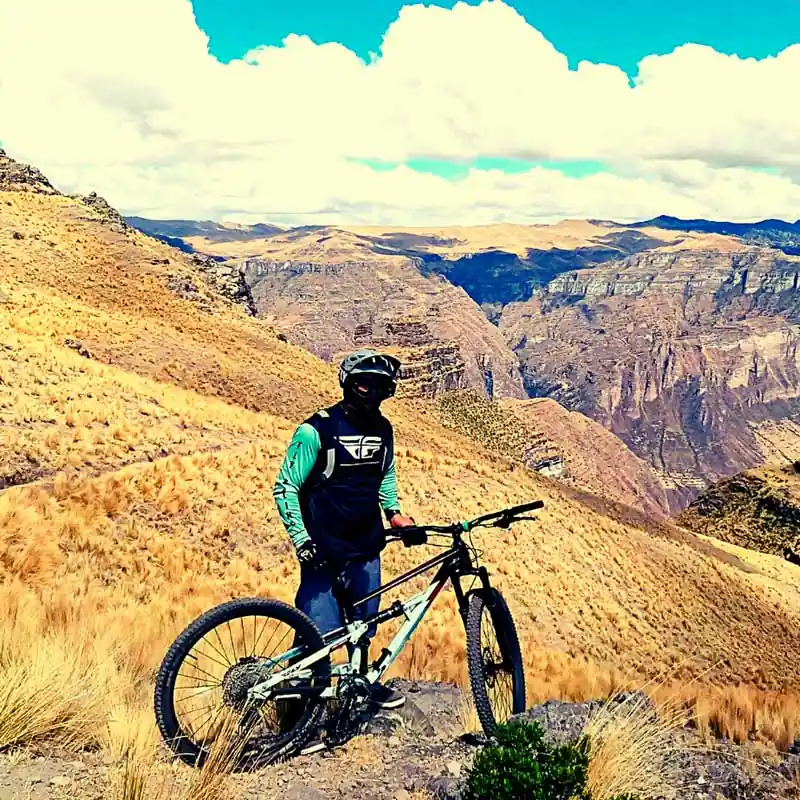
(420, 751)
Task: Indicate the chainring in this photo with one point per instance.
(344, 723)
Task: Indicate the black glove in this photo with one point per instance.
(413, 536)
(308, 556)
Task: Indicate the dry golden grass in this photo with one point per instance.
(141, 521)
(142, 773)
(49, 692)
(65, 412)
(743, 714)
(634, 749)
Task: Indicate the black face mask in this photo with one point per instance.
(365, 393)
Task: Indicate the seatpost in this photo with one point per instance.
(360, 650)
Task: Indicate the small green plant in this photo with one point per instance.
(523, 766)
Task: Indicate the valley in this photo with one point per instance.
(680, 338)
(144, 416)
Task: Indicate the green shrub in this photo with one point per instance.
(523, 766)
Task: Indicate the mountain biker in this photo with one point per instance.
(337, 475)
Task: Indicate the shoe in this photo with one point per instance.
(385, 697)
(314, 746)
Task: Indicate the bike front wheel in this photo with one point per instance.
(494, 660)
(201, 692)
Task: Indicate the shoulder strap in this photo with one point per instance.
(325, 425)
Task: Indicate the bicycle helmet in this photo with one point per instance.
(369, 362)
(368, 378)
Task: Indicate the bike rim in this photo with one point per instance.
(209, 697)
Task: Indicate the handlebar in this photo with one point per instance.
(498, 519)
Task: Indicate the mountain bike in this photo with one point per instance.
(279, 697)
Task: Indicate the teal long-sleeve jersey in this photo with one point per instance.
(297, 465)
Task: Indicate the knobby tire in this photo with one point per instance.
(287, 742)
(490, 609)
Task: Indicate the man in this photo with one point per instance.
(337, 476)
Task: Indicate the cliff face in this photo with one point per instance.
(334, 301)
(758, 509)
(495, 278)
(684, 354)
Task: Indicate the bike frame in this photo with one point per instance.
(453, 564)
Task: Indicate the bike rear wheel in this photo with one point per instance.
(201, 688)
(494, 659)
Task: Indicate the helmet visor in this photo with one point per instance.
(378, 365)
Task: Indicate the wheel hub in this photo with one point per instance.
(490, 669)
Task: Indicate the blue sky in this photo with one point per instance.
(619, 32)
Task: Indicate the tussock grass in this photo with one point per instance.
(153, 463)
(742, 713)
(633, 749)
(467, 720)
(143, 774)
(49, 688)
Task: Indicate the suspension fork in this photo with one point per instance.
(462, 598)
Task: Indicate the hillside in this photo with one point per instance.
(758, 509)
(553, 441)
(677, 336)
(594, 457)
(144, 449)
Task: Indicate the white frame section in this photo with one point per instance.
(414, 609)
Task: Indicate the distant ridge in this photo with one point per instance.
(776, 233)
(714, 226)
(215, 231)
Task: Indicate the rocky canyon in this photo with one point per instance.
(681, 341)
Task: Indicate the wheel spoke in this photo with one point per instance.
(219, 639)
(221, 654)
(208, 674)
(230, 636)
(208, 684)
(206, 655)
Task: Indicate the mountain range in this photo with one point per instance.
(679, 336)
(147, 397)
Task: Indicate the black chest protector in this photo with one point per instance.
(340, 498)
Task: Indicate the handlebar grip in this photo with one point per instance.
(536, 504)
(507, 513)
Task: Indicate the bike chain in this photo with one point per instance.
(351, 693)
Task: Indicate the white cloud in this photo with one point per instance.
(125, 99)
